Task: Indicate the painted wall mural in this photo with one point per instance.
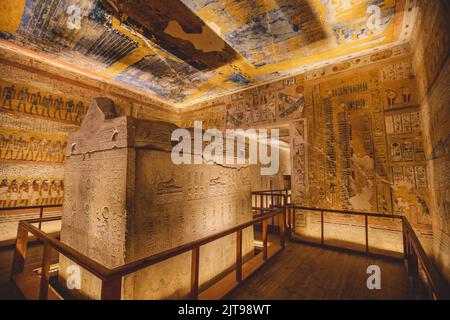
(266, 104)
(35, 102)
(431, 44)
(31, 185)
(186, 51)
(31, 146)
(33, 139)
(356, 139)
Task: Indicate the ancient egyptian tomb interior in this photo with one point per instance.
(92, 91)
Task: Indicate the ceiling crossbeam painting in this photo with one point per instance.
(186, 51)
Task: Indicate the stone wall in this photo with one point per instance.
(39, 105)
(356, 143)
(431, 47)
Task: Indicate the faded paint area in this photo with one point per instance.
(365, 162)
(361, 201)
(204, 41)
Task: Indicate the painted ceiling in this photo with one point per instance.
(186, 51)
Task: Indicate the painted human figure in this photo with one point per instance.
(69, 109)
(45, 187)
(37, 187)
(24, 189)
(10, 146)
(64, 146)
(58, 150)
(47, 103)
(59, 103)
(23, 96)
(49, 153)
(255, 109)
(79, 111)
(35, 100)
(263, 107)
(272, 108)
(32, 146)
(248, 114)
(54, 188)
(21, 148)
(3, 186)
(8, 94)
(423, 203)
(391, 96)
(41, 149)
(401, 205)
(13, 191)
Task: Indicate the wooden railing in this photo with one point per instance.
(427, 283)
(112, 278)
(32, 208)
(266, 199)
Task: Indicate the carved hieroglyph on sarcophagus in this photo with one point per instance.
(126, 200)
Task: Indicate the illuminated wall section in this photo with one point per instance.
(431, 45)
(39, 105)
(356, 144)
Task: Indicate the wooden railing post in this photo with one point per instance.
(293, 221)
(41, 215)
(239, 256)
(195, 264)
(20, 252)
(45, 273)
(367, 232)
(414, 271)
(282, 217)
(405, 244)
(321, 228)
(112, 289)
(264, 236)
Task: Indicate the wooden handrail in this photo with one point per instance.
(112, 277)
(277, 191)
(414, 253)
(437, 284)
(438, 288)
(347, 212)
(41, 210)
(32, 207)
(87, 263)
(164, 255)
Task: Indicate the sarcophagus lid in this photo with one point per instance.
(103, 128)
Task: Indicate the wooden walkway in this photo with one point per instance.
(299, 272)
(313, 273)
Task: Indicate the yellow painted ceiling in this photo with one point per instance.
(186, 51)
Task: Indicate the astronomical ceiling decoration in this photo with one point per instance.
(186, 51)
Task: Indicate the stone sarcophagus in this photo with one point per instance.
(124, 200)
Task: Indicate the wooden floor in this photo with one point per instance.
(299, 272)
(314, 273)
(8, 291)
